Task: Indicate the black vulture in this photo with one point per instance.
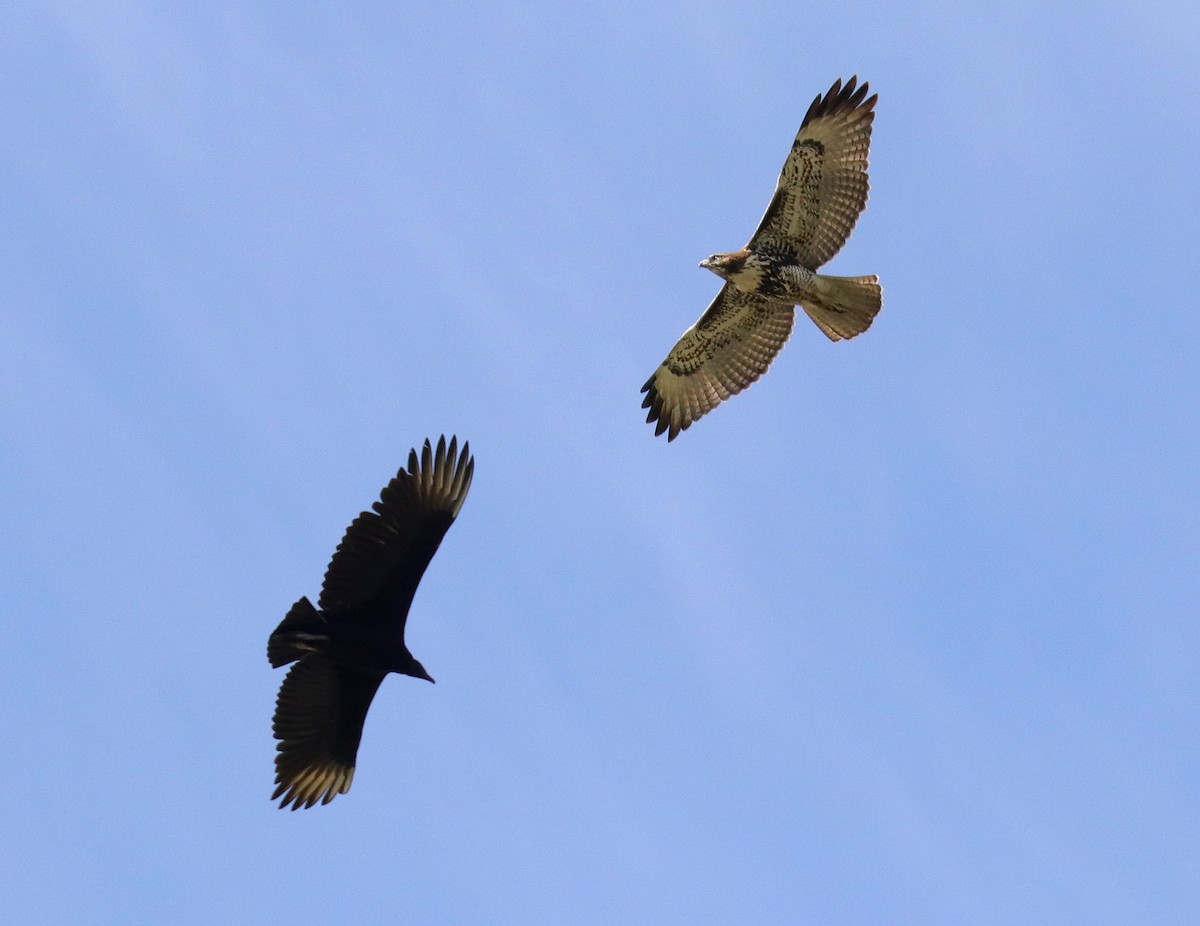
(357, 637)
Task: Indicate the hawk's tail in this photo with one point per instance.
(844, 306)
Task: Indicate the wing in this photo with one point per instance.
(385, 551)
(319, 718)
(822, 188)
(730, 347)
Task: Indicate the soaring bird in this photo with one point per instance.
(821, 192)
(345, 649)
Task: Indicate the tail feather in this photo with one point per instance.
(845, 306)
(303, 620)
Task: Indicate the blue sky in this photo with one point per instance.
(906, 633)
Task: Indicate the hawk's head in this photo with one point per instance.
(725, 265)
(743, 269)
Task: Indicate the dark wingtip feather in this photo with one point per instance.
(841, 98)
(465, 471)
(426, 456)
(654, 402)
(439, 459)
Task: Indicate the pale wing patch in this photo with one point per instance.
(730, 347)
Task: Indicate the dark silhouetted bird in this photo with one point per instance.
(357, 637)
(821, 192)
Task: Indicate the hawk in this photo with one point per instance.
(820, 194)
(343, 651)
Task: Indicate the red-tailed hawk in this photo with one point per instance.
(346, 648)
(821, 192)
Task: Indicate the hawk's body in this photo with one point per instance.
(343, 651)
(822, 190)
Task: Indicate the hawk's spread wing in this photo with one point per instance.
(730, 347)
(319, 718)
(385, 551)
(822, 188)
